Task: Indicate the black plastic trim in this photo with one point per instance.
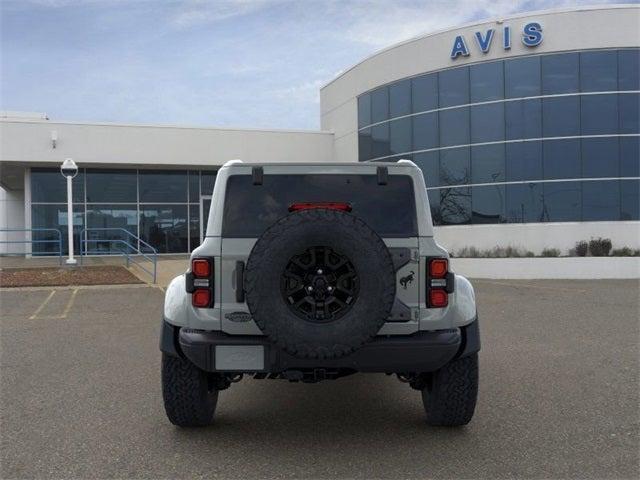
(470, 339)
(169, 339)
(257, 174)
(240, 282)
(383, 175)
(420, 352)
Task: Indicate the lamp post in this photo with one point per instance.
(69, 170)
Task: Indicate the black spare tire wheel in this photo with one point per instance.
(320, 283)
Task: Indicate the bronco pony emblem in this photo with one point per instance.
(404, 281)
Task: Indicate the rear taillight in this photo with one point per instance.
(199, 282)
(440, 282)
(201, 298)
(201, 267)
(296, 207)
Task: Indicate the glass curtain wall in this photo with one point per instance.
(545, 138)
(161, 207)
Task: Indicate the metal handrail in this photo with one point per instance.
(32, 241)
(150, 256)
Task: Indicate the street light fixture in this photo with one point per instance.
(69, 169)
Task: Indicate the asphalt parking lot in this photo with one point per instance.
(559, 397)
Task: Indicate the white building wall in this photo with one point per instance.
(535, 236)
(11, 217)
(29, 141)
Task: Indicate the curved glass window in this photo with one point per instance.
(599, 114)
(487, 81)
(379, 105)
(560, 73)
(478, 124)
(522, 77)
(425, 131)
(560, 116)
(424, 93)
(453, 87)
(598, 72)
(523, 119)
(454, 127)
(523, 161)
(487, 123)
(400, 99)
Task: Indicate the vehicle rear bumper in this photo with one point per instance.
(420, 352)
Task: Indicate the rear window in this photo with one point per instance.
(389, 209)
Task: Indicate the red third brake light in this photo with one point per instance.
(438, 268)
(201, 268)
(296, 207)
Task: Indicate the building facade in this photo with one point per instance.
(526, 129)
(522, 126)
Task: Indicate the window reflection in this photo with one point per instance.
(561, 116)
(487, 81)
(455, 166)
(453, 87)
(600, 157)
(113, 218)
(165, 227)
(561, 159)
(599, 114)
(364, 110)
(630, 200)
(523, 119)
(560, 73)
(400, 99)
(55, 216)
(364, 145)
(455, 206)
(425, 131)
(522, 77)
(49, 186)
(400, 135)
(163, 186)
(600, 201)
(562, 201)
(487, 164)
(379, 105)
(523, 161)
(112, 186)
(424, 93)
(488, 204)
(380, 141)
(454, 127)
(487, 123)
(598, 71)
(524, 203)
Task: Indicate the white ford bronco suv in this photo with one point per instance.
(316, 271)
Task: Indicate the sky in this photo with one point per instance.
(227, 63)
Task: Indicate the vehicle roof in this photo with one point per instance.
(314, 164)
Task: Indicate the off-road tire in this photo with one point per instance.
(291, 235)
(450, 393)
(189, 397)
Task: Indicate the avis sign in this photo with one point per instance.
(531, 37)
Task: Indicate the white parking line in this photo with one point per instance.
(42, 305)
(69, 304)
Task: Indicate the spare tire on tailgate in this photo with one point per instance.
(320, 283)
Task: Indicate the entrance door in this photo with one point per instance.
(205, 206)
